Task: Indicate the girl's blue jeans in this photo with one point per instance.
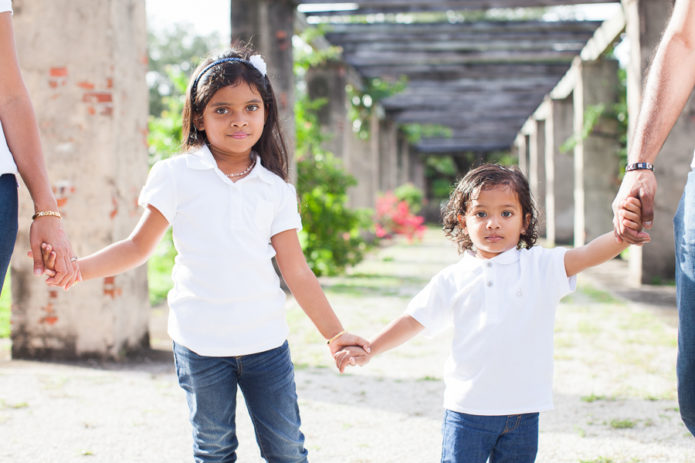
(266, 380)
(684, 232)
(502, 439)
(8, 221)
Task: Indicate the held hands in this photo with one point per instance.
(64, 272)
(49, 257)
(349, 344)
(639, 185)
(351, 355)
(631, 216)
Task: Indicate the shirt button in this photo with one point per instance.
(489, 283)
(489, 264)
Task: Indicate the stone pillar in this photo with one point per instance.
(559, 203)
(388, 155)
(327, 81)
(596, 156)
(87, 81)
(536, 176)
(519, 149)
(269, 26)
(646, 21)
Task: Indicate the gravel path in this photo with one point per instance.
(614, 383)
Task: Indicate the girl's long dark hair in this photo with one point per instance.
(271, 147)
(481, 178)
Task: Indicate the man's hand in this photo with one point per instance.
(639, 184)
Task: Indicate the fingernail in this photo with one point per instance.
(648, 224)
(37, 271)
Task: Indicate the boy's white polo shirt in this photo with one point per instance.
(5, 5)
(503, 311)
(226, 298)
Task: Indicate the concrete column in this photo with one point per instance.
(559, 203)
(87, 81)
(646, 21)
(596, 156)
(417, 170)
(536, 176)
(388, 155)
(327, 81)
(269, 26)
(519, 149)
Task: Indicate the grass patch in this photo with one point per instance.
(622, 424)
(5, 304)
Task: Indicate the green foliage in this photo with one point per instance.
(5, 304)
(411, 195)
(441, 172)
(364, 101)
(159, 270)
(164, 135)
(416, 132)
(173, 51)
(592, 115)
(330, 237)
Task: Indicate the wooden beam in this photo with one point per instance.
(366, 7)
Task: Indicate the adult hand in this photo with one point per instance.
(639, 184)
(50, 230)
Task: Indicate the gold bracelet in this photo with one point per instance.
(335, 337)
(46, 213)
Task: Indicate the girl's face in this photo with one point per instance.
(233, 120)
(494, 221)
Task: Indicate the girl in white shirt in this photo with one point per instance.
(501, 299)
(231, 210)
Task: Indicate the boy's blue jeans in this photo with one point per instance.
(266, 380)
(8, 221)
(502, 439)
(684, 233)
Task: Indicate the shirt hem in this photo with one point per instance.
(498, 412)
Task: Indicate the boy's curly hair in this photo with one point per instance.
(481, 178)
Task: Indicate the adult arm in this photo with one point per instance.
(308, 293)
(22, 134)
(669, 84)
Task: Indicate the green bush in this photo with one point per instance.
(331, 235)
(411, 195)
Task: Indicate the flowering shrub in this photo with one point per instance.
(393, 217)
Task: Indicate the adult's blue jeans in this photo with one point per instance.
(684, 233)
(266, 380)
(502, 439)
(8, 221)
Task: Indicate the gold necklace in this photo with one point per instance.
(243, 172)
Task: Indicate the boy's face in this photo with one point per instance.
(494, 221)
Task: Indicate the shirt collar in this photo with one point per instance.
(507, 257)
(202, 159)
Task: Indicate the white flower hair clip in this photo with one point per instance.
(258, 62)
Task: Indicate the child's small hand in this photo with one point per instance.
(350, 355)
(631, 214)
(49, 256)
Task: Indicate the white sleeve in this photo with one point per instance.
(286, 215)
(160, 190)
(5, 5)
(431, 307)
(554, 268)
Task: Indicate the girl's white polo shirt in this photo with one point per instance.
(503, 311)
(7, 164)
(226, 299)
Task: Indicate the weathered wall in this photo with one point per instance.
(84, 62)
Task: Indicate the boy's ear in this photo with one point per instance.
(198, 124)
(527, 222)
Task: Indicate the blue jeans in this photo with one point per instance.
(502, 439)
(266, 380)
(684, 231)
(8, 221)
